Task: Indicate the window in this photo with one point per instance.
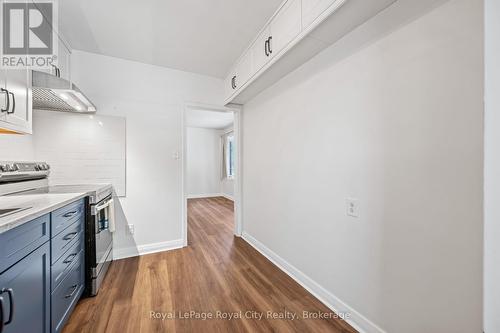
(230, 155)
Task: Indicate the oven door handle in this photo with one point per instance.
(101, 207)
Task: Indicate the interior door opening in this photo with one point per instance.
(211, 172)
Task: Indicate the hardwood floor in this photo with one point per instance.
(217, 274)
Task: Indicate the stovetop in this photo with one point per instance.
(96, 192)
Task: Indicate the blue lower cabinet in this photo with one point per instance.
(25, 293)
(68, 269)
(67, 294)
(42, 276)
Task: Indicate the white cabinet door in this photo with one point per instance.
(64, 61)
(3, 98)
(229, 88)
(312, 9)
(285, 26)
(239, 76)
(259, 51)
(19, 115)
(244, 70)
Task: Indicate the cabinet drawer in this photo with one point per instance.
(66, 295)
(17, 243)
(63, 241)
(62, 267)
(65, 216)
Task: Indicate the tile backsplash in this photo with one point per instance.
(81, 149)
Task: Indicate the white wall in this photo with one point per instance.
(492, 167)
(203, 162)
(82, 149)
(14, 147)
(397, 125)
(152, 99)
(227, 188)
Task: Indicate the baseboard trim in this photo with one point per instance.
(200, 196)
(140, 250)
(227, 196)
(356, 320)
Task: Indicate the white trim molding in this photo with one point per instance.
(207, 195)
(140, 250)
(227, 196)
(236, 109)
(356, 320)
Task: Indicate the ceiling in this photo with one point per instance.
(209, 119)
(200, 36)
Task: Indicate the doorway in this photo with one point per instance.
(211, 164)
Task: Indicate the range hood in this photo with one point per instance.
(53, 93)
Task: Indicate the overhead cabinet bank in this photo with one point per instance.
(297, 31)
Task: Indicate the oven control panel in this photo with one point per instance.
(16, 171)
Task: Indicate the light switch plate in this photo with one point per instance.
(352, 207)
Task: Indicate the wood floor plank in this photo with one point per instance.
(217, 274)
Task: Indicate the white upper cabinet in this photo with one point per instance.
(312, 9)
(298, 31)
(63, 61)
(15, 101)
(229, 88)
(239, 75)
(260, 49)
(285, 26)
(244, 70)
(282, 29)
(3, 98)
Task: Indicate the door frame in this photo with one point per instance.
(236, 109)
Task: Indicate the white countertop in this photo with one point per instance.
(40, 204)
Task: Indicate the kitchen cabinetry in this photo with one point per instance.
(260, 49)
(297, 31)
(240, 75)
(63, 66)
(42, 271)
(25, 277)
(285, 26)
(3, 98)
(312, 9)
(64, 61)
(26, 292)
(15, 102)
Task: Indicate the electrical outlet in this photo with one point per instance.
(131, 229)
(352, 207)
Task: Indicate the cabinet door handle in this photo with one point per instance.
(57, 72)
(13, 103)
(69, 259)
(266, 45)
(6, 92)
(11, 304)
(270, 46)
(233, 82)
(70, 214)
(74, 287)
(70, 236)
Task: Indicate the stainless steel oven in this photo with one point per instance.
(29, 178)
(99, 241)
